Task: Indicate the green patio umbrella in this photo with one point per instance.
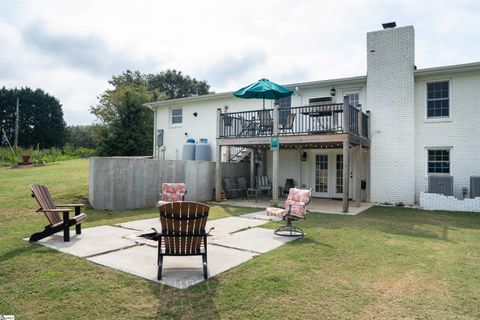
(263, 89)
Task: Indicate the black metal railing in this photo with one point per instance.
(365, 125)
(236, 153)
(312, 119)
(352, 119)
(304, 120)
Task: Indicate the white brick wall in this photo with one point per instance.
(432, 201)
(390, 88)
(461, 132)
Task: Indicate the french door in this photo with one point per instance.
(328, 174)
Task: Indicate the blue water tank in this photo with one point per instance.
(203, 150)
(188, 150)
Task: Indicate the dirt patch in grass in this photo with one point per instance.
(394, 294)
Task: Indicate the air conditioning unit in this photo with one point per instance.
(474, 187)
(440, 184)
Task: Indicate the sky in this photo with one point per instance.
(71, 48)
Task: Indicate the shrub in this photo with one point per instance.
(45, 155)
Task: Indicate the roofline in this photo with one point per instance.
(465, 67)
(229, 94)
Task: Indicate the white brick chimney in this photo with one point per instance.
(390, 99)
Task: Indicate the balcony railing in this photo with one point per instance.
(305, 120)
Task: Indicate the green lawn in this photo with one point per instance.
(384, 263)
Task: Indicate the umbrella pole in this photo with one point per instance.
(263, 103)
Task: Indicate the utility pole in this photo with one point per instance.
(15, 143)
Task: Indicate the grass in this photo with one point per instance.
(386, 263)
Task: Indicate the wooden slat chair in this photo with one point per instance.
(51, 211)
(295, 208)
(183, 232)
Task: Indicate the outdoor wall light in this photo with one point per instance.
(333, 92)
(195, 114)
(304, 156)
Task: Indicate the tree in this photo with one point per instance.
(82, 136)
(41, 117)
(126, 126)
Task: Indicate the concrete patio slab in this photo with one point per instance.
(222, 227)
(258, 240)
(320, 205)
(178, 272)
(92, 241)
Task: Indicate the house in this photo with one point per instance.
(389, 129)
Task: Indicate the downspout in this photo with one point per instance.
(155, 151)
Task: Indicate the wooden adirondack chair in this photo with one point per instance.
(183, 232)
(45, 201)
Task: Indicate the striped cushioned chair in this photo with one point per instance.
(45, 201)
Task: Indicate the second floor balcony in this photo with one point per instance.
(326, 119)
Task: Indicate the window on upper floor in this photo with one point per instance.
(285, 102)
(438, 161)
(438, 99)
(353, 99)
(176, 116)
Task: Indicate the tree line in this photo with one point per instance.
(123, 126)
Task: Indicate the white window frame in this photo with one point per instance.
(170, 117)
(450, 160)
(450, 104)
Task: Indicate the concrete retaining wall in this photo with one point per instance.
(121, 183)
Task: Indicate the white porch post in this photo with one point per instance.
(358, 179)
(346, 176)
(218, 162)
(252, 168)
(275, 159)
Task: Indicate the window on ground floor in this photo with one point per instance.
(438, 161)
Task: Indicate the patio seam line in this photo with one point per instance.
(127, 228)
(239, 249)
(113, 250)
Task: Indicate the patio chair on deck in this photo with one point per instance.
(183, 232)
(289, 120)
(266, 122)
(295, 208)
(45, 201)
(172, 192)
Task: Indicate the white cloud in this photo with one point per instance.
(72, 48)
